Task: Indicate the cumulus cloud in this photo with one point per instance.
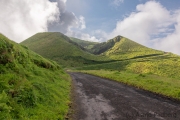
(171, 42)
(21, 19)
(149, 20)
(151, 25)
(66, 19)
(70, 24)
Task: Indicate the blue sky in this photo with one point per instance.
(153, 23)
(103, 14)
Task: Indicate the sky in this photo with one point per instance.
(153, 23)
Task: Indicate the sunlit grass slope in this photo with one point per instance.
(125, 49)
(104, 46)
(120, 48)
(31, 87)
(137, 58)
(166, 64)
(60, 48)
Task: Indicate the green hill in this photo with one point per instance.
(60, 48)
(134, 57)
(85, 44)
(120, 48)
(31, 87)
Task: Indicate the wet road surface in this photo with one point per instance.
(101, 99)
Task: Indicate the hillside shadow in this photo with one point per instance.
(86, 61)
(145, 56)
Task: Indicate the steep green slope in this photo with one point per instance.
(31, 87)
(85, 44)
(60, 48)
(131, 56)
(120, 48)
(103, 47)
(125, 49)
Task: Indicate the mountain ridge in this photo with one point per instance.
(58, 47)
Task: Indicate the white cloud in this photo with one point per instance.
(82, 36)
(100, 35)
(20, 20)
(151, 25)
(82, 23)
(117, 2)
(148, 19)
(171, 42)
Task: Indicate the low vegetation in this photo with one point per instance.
(31, 87)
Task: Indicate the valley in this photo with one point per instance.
(40, 63)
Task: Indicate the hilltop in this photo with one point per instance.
(58, 47)
(124, 48)
(118, 48)
(31, 87)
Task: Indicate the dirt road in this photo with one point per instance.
(101, 99)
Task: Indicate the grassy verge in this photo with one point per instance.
(169, 87)
(31, 87)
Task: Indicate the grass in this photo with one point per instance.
(58, 47)
(166, 65)
(118, 59)
(169, 87)
(31, 87)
